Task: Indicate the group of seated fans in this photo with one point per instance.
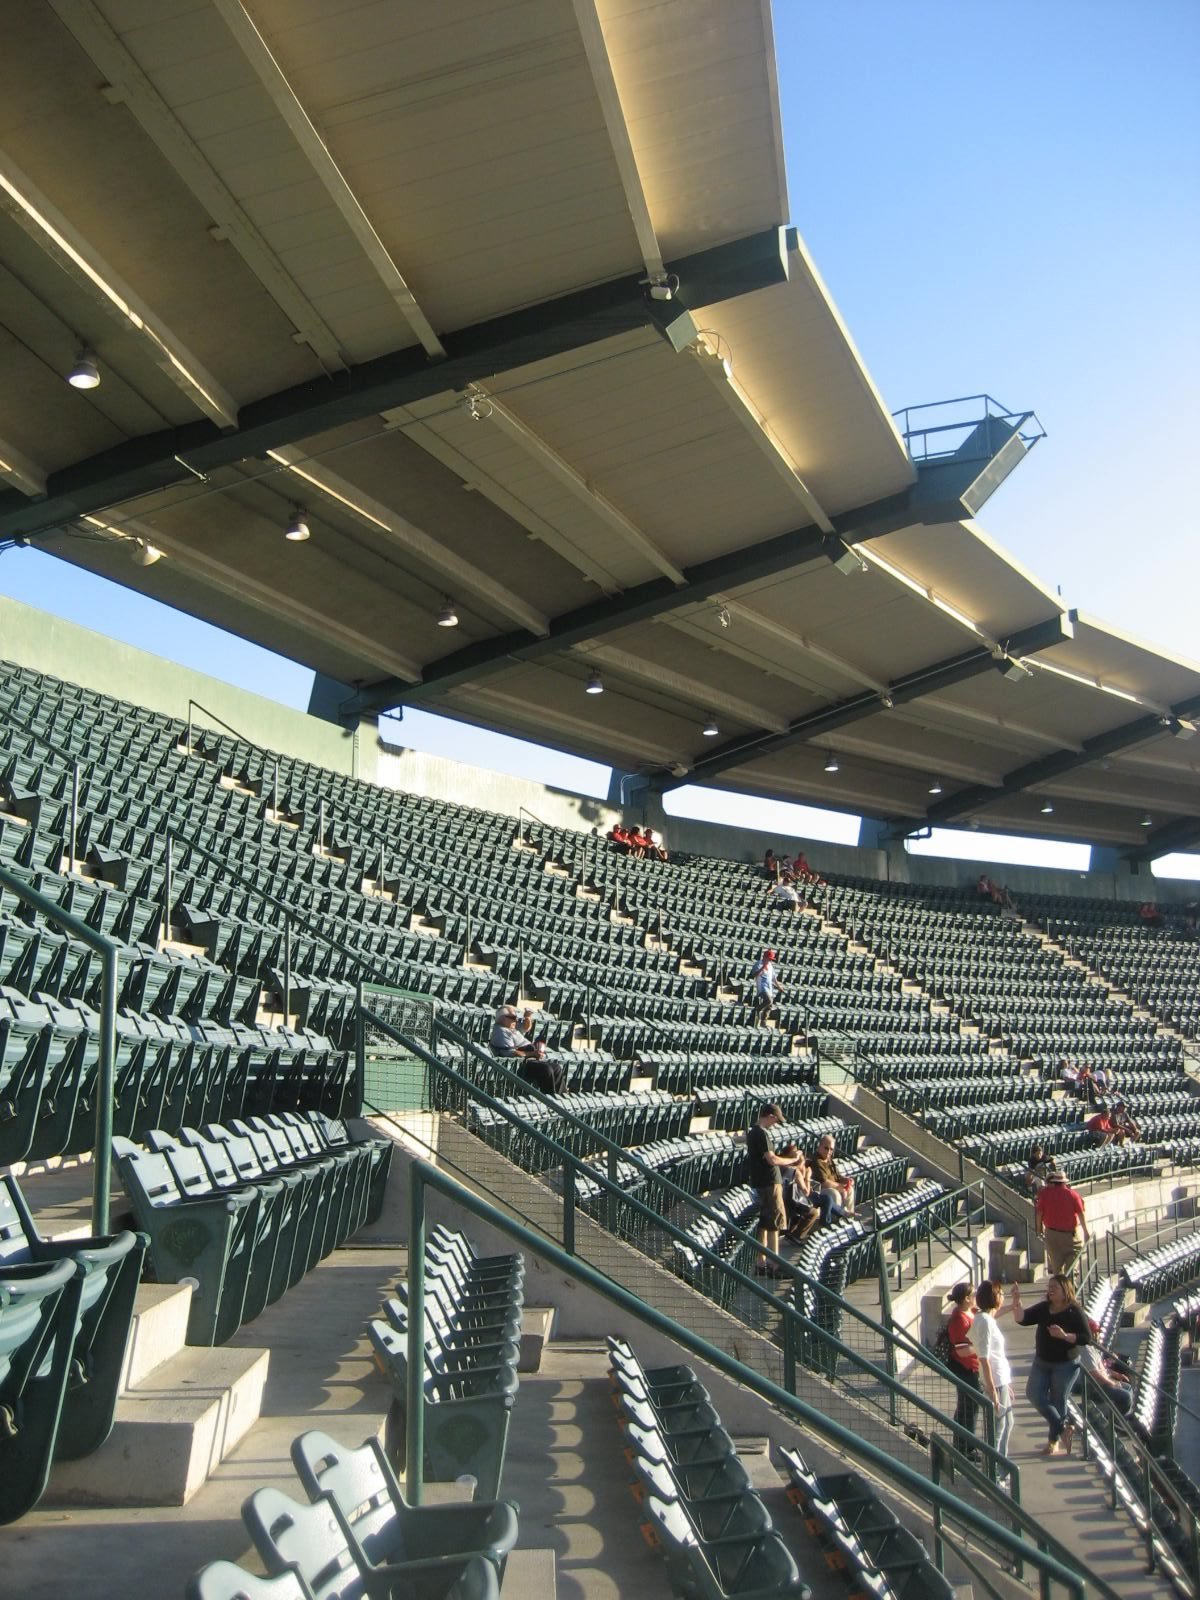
(790, 869)
(639, 843)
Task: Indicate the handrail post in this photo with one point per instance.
(191, 703)
(275, 791)
(789, 1353)
(414, 1471)
(168, 888)
(520, 968)
(360, 1040)
(568, 1218)
(287, 969)
(468, 941)
(102, 1178)
(321, 826)
(73, 843)
(382, 865)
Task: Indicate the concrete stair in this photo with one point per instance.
(181, 1410)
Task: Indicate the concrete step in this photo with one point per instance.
(537, 1326)
(170, 1433)
(158, 1331)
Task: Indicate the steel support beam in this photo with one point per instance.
(1047, 768)
(475, 354)
(854, 708)
(1180, 834)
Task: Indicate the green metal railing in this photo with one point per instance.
(1027, 1545)
(108, 951)
(803, 1340)
(1127, 1462)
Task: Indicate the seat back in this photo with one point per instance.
(222, 1580)
(355, 1482)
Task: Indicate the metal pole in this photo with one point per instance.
(789, 1355)
(189, 733)
(168, 888)
(520, 968)
(275, 791)
(382, 864)
(74, 839)
(467, 940)
(414, 1471)
(287, 969)
(360, 1044)
(568, 1226)
(321, 827)
(102, 1177)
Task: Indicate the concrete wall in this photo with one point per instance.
(65, 650)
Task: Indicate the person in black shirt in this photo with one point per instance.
(1062, 1331)
(765, 1180)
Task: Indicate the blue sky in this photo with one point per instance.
(999, 199)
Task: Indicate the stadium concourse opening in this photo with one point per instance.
(412, 355)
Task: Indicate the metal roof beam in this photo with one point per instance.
(20, 471)
(854, 708)
(600, 66)
(678, 685)
(62, 243)
(569, 323)
(318, 155)
(126, 84)
(1180, 834)
(1047, 768)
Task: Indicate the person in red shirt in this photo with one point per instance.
(1058, 1212)
(1102, 1127)
(964, 1361)
(651, 845)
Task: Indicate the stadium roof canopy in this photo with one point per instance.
(503, 297)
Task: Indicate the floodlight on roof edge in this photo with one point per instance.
(936, 786)
(1147, 821)
(831, 763)
(84, 374)
(1047, 808)
(1179, 727)
(297, 529)
(144, 554)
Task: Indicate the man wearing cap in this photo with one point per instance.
(509, 1040)
(1058, 1211)
(765, 984)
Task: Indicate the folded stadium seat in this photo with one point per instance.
(38, 1315)
(311, 1543)
(369, 1503)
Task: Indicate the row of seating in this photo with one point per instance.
(1154, 1274)
(703, 1515)
(65, 1313)
(357, 1535)
(244, 1211)
(471, 1349)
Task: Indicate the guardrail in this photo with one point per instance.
(1029, 1545)
(803, 1340)
(1107, 1435)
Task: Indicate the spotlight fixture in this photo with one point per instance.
(144, 554)
(477, 406)
(1047, 808)
(85, 374)
(936, 786)
(594, 685)
(1012, 669)
(831, 763)
(847, 561)
(297, 529)
(710, 729)
(1147, 821)
(1180, 727)
(679, 770)
(887, 702)
(447, 616)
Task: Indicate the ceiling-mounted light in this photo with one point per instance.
(144, 554)
(723, 616)
(831, 763)
(594, 685)
(1012, 669)
(710, 729)
(936, 786)
(447, 616)
(1180, 727)
(1047, 808)
(1147, 821)
(85, 374)
(297, 529)
(887, 702)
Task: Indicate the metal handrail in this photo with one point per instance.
(108, 950)
(1153, 1478)
(792, 1318)
(1052, 1560)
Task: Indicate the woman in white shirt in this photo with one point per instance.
(995, 1373)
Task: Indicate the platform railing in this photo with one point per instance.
(1026, 1545)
